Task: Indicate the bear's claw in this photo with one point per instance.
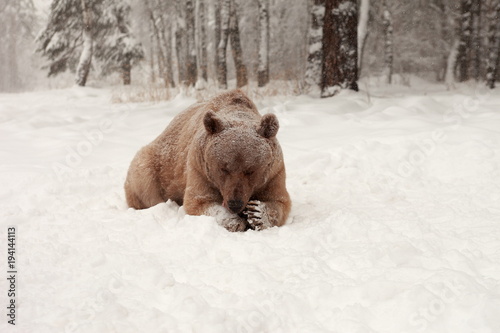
(257, 216)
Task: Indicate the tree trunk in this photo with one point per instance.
(221, 50)
(340, 47)
(449, 77)
(494, 46)
(315, 52)
(234, 33)
(191, 69)
(202, 46)
(263, 44)
(217, 34)
(83, 68)
(465, 40)
(364, 12)
(476, 39)
(126, 71)
(388, 44)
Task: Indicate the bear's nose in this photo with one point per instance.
(235, 205)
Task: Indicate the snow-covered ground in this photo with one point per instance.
(395, 225)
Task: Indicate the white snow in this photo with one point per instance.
(395, 225)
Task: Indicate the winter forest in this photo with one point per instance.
(307, 43)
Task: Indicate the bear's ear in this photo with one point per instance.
(212, 123)
(269, 126)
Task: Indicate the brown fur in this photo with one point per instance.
(219, 153)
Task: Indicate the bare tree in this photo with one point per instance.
(83, 68)
(191, 69)
(263, 43)
(476, 39)
(364, 12)
(234, 33)
(494, 45)
(202, 45)
(465, 40)
(221, 49)
(340, 47)
(315, 36)
(388, 43)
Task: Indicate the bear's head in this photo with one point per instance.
(239, 159)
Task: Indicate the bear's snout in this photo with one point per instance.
(235, 205)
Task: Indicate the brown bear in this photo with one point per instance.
(219, 158)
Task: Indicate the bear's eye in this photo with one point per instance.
(224, 171)
(248, 173)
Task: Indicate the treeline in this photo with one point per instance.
(325, 44)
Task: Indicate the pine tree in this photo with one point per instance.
(315, 36)
(118, 49)
(340, 47)
(77, 28)
(263, 44)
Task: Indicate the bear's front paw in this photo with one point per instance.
(228, 220)
(257, 215)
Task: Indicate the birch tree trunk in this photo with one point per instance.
(202, 46)
(263, 44)
(340, 47)
(191, 69)
(217, 34)
(388, 43)
(494, 46)
(315, 51)
(234, 33)
(465, 40)
(364, 12)
(449, 77)
(221, 50)
(83, 68)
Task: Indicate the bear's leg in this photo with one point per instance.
(142, 188)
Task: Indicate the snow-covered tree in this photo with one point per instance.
(224, 6)
(263, 43)
(364, 13)
(202, 45)
(315, 37)
(118, 50)
(77, 28)
(340, 47)
(493, 60)
(388, 43)
(463, 54)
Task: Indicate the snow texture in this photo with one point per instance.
(395, 225)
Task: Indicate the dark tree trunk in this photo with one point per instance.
(494, 46)
(476, 39)
(315, 52)
(126, 71)
(388, 43)
(465, 40)
(221, 50)
(263, 67)
(234, 33)
(340, 47)
(191, 69)
(83, 68)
